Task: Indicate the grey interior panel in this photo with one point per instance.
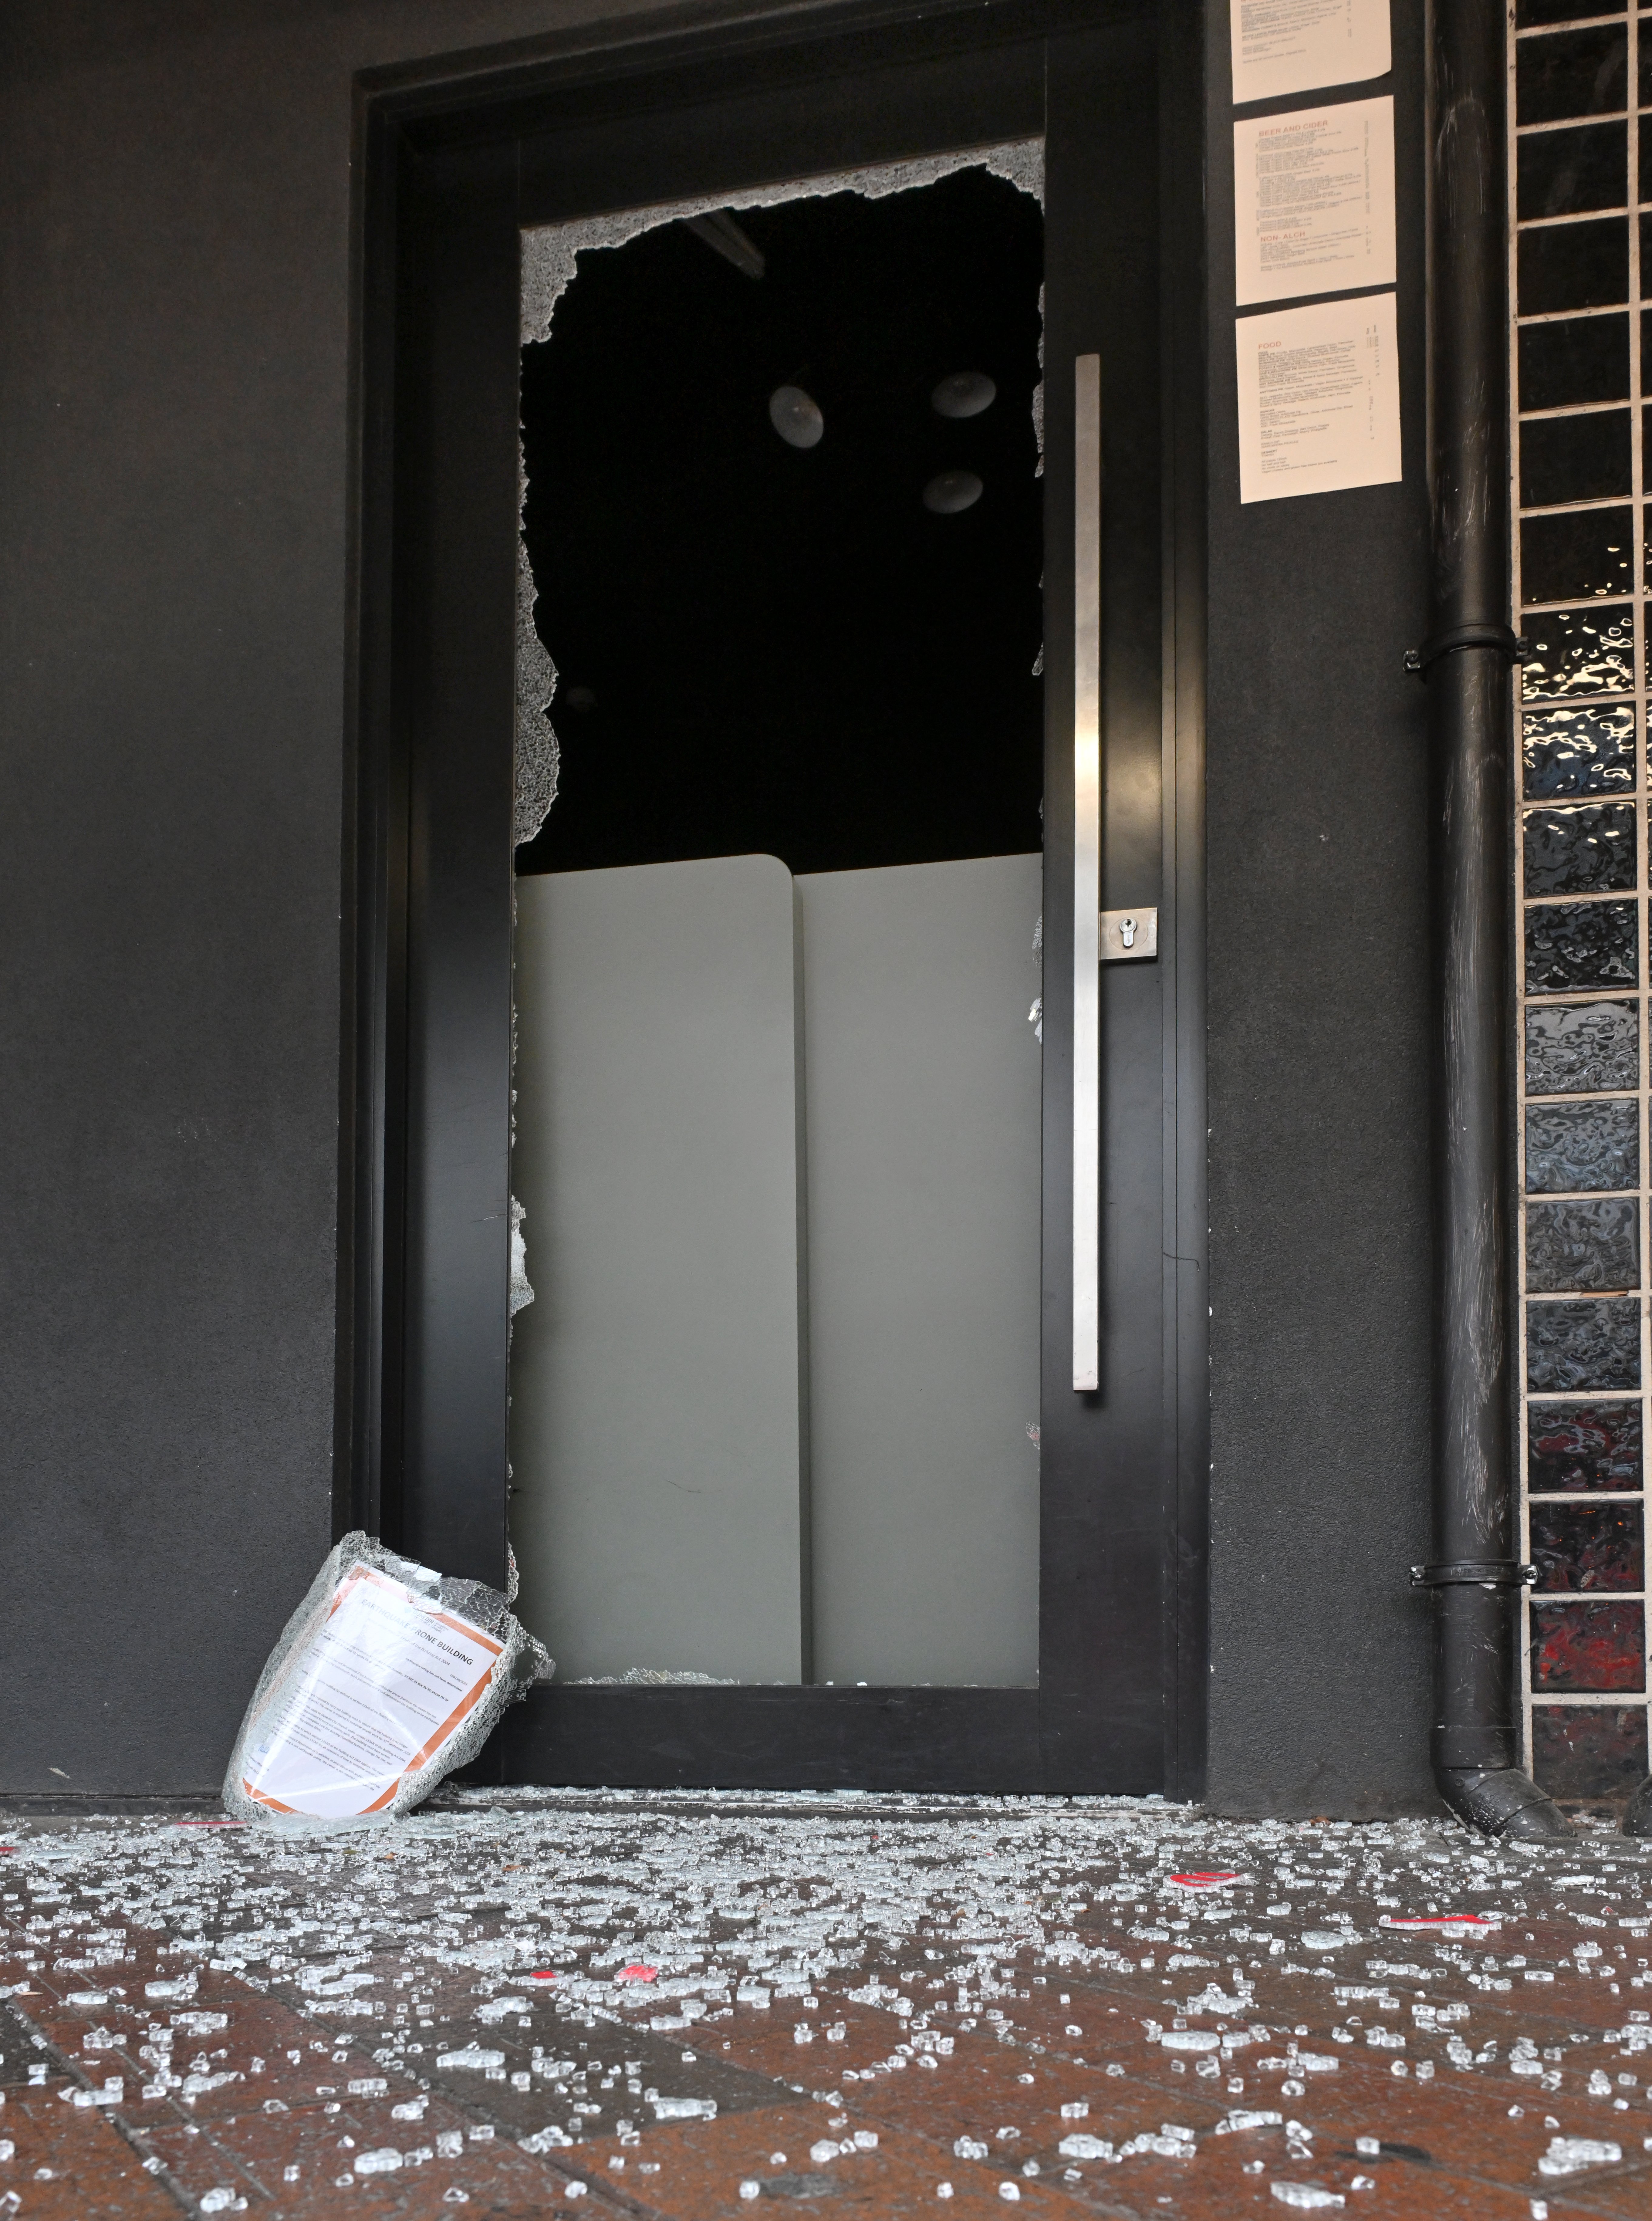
(923, 1093)
(672, 1497)
(656, 1414)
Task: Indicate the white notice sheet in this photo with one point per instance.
(1318, 398)
(1296, 46)
(380, 1687)
(1313, 201)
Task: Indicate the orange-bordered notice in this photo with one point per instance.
(381, 1684)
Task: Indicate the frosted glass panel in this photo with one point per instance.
(922, 1092)
(727, 1083)
(655, 1405)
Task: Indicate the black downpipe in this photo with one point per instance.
(1475, 1576)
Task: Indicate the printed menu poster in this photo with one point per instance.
(1298, 46)
(383, 1683)
(1318, 398)
(1313, 202)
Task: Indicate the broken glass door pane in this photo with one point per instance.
(757, 642)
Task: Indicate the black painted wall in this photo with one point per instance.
(174, 598)
(1319, 1048)
(175, 610)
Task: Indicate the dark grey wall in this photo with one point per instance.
(1319, 1084)
(172, 600)
(173, 466)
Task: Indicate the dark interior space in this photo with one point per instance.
(801, 650)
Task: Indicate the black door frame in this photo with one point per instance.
(452, 158)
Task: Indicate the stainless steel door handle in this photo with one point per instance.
(1087, 872)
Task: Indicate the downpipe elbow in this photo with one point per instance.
(1506, 1804)
(1474, 1749)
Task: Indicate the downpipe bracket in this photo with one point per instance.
(1475, 1573)
(1501, 638)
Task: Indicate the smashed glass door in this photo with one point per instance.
(774, 1368)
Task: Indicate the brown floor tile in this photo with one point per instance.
(71, 2163)
(494, 2176)
(702, 2167)
(1451, 2150)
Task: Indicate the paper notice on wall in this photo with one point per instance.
(384, 1682)
(1318, 398)
(1313, 203)
(1296, 46)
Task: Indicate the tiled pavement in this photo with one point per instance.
(570, 2004)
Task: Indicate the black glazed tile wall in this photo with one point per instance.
(1589, 748)
(1586, 1751)
(1532, 15)
(1575, 1448)
(1580, 230)
(1566, 173)
(1572, 945)
(1575, 652)
(1588, 1546)
(1574, 1148)
(1583, 850)
(1570, 72)
(1569, 364)
(1583, 1347)
(1588, 1647)
(1593, 1243)
(1582, 1048)
(1567, 554)
(1576, 458)
(1575, 266)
